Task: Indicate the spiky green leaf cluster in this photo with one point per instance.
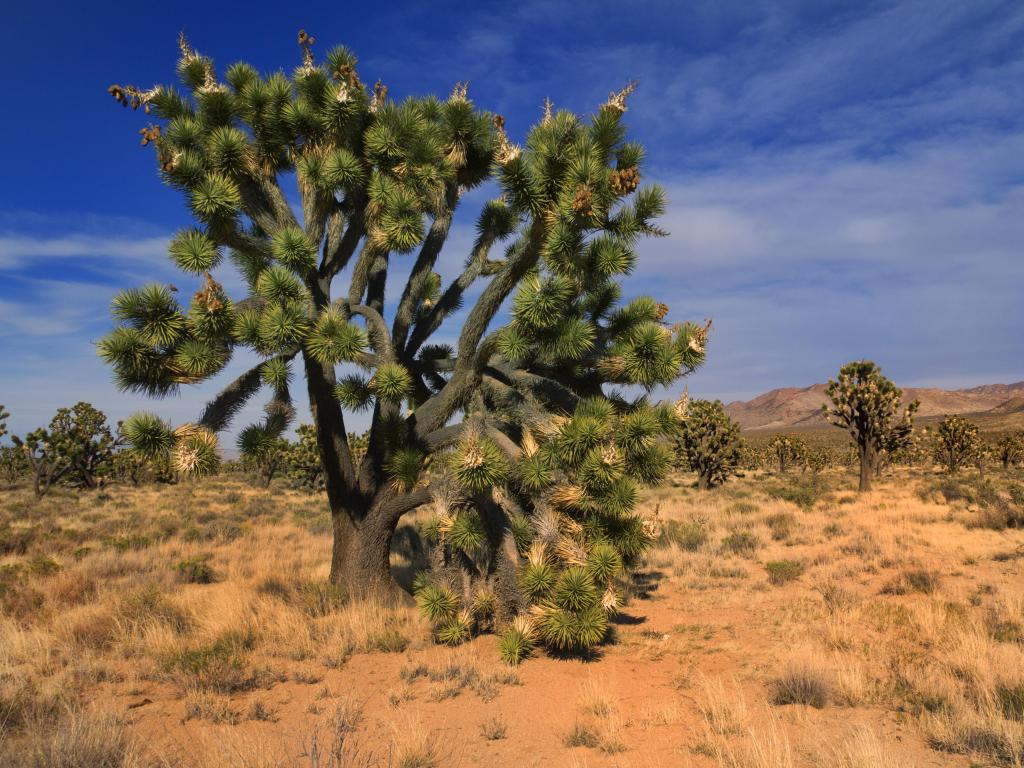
(334, 340)
(479, 464)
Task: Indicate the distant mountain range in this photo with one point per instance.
(795, 407)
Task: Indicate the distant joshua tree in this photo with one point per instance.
(867, 405)
(710, 443)
(76, 447)
(785, 450)
(957, 443)
(1010, 449)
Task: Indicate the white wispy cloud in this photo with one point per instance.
(18, 250)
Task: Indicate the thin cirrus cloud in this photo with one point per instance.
(18, 250)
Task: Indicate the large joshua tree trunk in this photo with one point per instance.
(703, 480)
(865, 453)
(360, 560)
(362, 537)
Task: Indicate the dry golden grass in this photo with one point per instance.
(200, 613)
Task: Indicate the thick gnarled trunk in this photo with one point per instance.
(361, 558)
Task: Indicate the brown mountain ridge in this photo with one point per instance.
(801, 407)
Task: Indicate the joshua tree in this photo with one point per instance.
(82, 435)
(302, 464)
(957, 443)
(262, 453)
(1010, 449)
(378, 183)
(866, 404)
(12, 465)
(44, 461)
(897, 440)
(4, 416)
(818, 458)
(710, 443)
(784, 450)
(77, 446)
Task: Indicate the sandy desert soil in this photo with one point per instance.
(780, 621)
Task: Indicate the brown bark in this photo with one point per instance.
(360, 561)
(865, 469)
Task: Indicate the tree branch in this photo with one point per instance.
(393, 509)
(428, 254)
(219, 411)
(476, 266)
(337, 259)
(436, 411)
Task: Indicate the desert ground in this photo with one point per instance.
(780, 621)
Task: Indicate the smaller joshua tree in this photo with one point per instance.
(4, 416)
(1010, 449)
(817, 459)
(784, 450)
(709, 442)
(77, 446)
(867, 404)
(957, 443)
(302, 464)
(897, 440)
(262, 453)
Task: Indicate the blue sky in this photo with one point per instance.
(846, 179)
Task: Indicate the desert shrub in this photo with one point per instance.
(1017, 494)
(781, 525)
(16, 541)
(743, 508)
(1003, 628)
(740, 542)
(804, 491)
(219, 666)
(320, 599)
(78, 740)
(913, 580)
(835, 596)
(952, 489)
(832, 530)
(387, 640)
(42, 565)
(18, 599)
(583, 735)
(1011, 700)
(212, 707)
(689, 535)
(196, 570)
(783, 571)
(150, 604)
(125, 542)
(494, 729)
(314, 598)
(801, 683)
